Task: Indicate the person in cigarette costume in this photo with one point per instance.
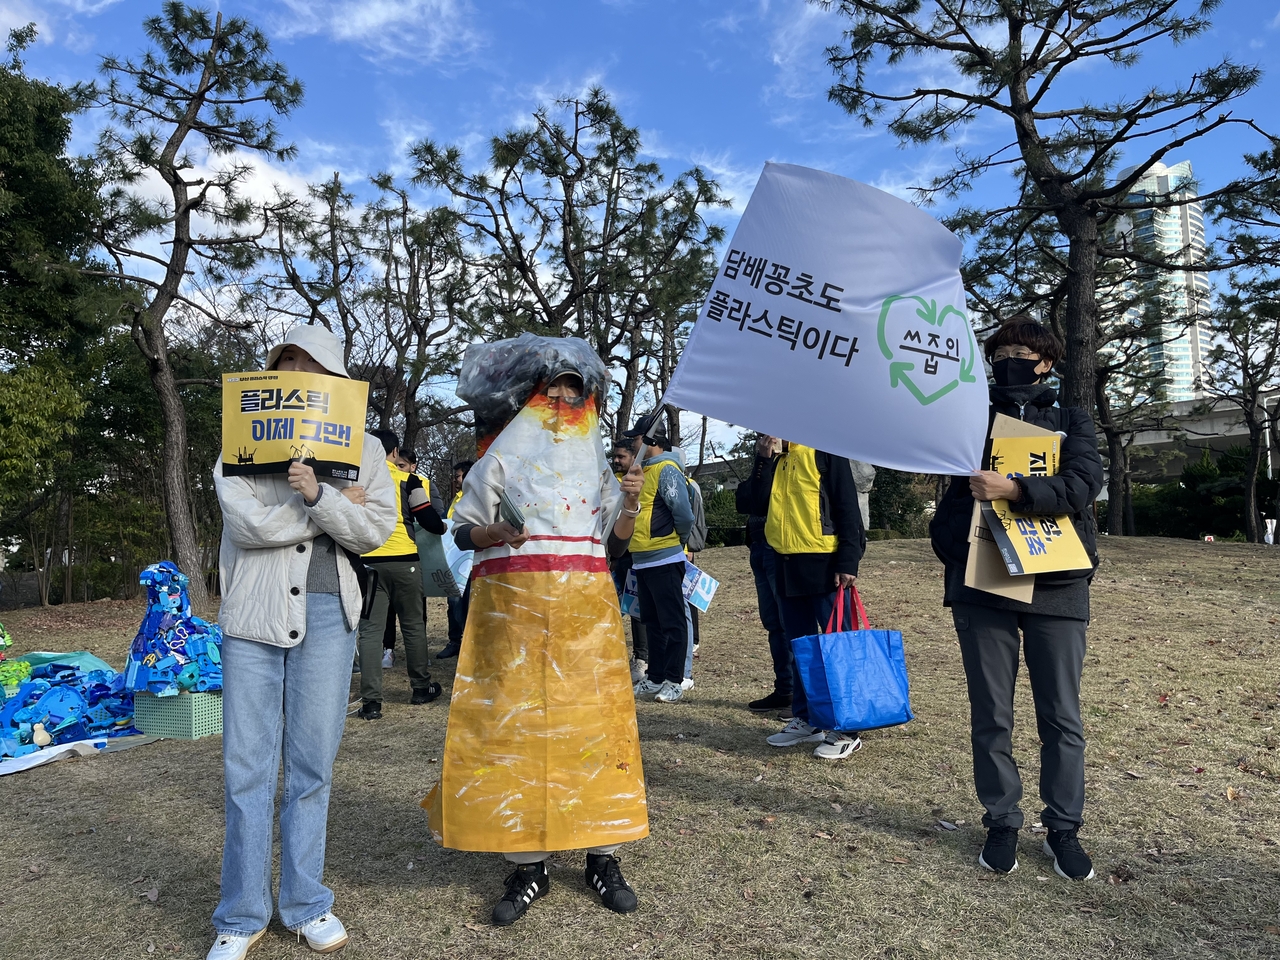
(542, 751)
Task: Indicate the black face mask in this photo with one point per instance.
(1015, 372)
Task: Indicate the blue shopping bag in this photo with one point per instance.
(854, 679)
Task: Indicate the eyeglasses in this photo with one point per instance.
(1015, 353)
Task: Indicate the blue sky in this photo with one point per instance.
(727, 85)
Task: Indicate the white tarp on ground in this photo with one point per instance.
(838, 321)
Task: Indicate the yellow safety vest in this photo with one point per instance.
(794, 524)
(449, 515)
(642, 541)
(400, 543)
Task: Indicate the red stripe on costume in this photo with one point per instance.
(540, 563)
(549, 536)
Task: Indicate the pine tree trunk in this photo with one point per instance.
(1080, 319)
(1253, 528)
(150, 337)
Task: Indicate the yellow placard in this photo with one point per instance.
(1031, 544)
(271, 418)
(1026, 456)
(1025, 544)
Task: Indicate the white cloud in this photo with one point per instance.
(18, 13)
(426, 31)
(796, 43)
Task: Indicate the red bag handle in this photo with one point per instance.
(837, 612)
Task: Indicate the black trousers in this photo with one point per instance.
(662, 607)
(458, 607)
(1054, 648)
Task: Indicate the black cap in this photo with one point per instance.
(652, 429)
(648, 425)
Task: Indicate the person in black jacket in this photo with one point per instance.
(1052, 625)
(814, 525)
(752, 498)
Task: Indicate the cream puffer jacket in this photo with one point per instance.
(267, 531)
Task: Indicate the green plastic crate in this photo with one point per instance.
(185, 716)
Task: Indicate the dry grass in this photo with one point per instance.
(755, 852)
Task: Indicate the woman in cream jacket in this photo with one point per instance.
(290, 608)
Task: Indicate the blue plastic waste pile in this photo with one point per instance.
(71, 702)
(173, 650)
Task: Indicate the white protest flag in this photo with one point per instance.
(838, 321)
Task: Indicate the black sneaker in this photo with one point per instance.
(1069, 859)
(426, 694)
(371, 710)
(774, 701)
(604, 876)
(450, 650)
(529, 882)
(1000, 852)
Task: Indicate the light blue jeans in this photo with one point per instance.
(295, 697)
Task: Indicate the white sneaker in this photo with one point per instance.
(797, 731)
(638, 669)
(324, 934)
(388, 659)
(233, 946)
(669, 692)
(686, 683)
(646, 688)
(837, 746)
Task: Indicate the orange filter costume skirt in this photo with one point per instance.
(542, 750)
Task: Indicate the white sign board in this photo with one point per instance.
(838, 321)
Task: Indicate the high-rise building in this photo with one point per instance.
(1175, 233)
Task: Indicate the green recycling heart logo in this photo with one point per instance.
(930, 351)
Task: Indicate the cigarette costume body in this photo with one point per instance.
(542, 751)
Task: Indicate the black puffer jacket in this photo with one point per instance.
(1071, 491)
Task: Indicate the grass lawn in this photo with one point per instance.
(755, 852)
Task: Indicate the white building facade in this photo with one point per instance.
(1175, 233)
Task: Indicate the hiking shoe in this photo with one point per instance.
(604, 876)
(233, 946)
(426, 694)
(450, 650)
(646, 688)
(773, 701)
(686, 683)
(324, 934)
(797, 731)
(1069, 859)
(526, 884)
(388, 659)
(639, 669)
(669, 692)
(371, 710)
(837, 746)
(1000, 852)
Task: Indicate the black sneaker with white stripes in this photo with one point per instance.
(604, 876)
(529, 882)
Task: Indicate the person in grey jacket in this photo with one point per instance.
(291, 603)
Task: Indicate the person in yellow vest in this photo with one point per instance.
(814, 525)
(621, 458)
(400, 589)
(457, 606)
(657, 557)
(406, 460)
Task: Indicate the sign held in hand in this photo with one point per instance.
(273, 418)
